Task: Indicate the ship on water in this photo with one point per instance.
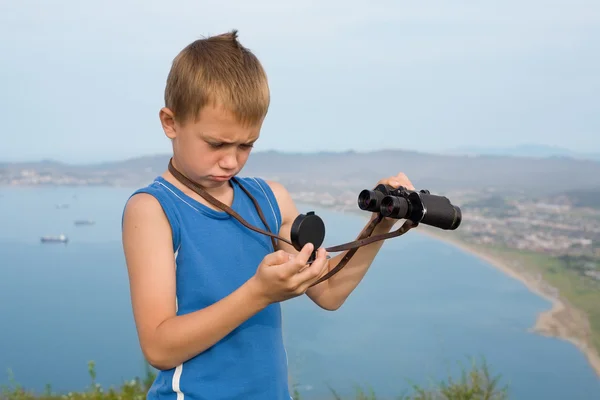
(54, 239)
(83, 222)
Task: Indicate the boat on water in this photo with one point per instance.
(54, 239)
(82, 222)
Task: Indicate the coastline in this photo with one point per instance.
(562, 320)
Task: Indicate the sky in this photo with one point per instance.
(83, 81)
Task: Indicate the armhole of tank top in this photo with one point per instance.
(270, 196)
(170, 213)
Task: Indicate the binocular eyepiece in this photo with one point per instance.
(417, 206)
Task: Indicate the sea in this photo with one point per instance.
(425, 311)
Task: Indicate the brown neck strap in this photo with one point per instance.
(363, 239)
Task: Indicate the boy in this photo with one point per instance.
(205, 290)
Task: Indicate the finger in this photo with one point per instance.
(401, 177)
(277, 258)
(411, 224)
(314, 270)
(325, 267)
(396, 183)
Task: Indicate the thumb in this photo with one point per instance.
(305, 253)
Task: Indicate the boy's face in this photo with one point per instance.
(211, 150)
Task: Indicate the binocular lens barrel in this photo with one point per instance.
(394, 207)
(441, 213)
(370, 200)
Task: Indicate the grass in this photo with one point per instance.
(135, 389)
(474, 383)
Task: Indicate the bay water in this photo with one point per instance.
(424, 309)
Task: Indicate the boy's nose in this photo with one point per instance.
(228, 162)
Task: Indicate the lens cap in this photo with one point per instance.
(307, 228)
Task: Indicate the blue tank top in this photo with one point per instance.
(215, 255)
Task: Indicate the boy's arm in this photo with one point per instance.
(333, 292)
(166, 339)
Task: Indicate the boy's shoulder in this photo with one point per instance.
(152, 207)
(149, 195)
(144, 199)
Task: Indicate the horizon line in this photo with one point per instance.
(167, 154)
(458, 152)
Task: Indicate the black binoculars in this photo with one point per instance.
(417, 206)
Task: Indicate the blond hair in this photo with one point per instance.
(217, 71)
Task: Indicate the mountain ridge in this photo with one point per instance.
(352, 170)
(531, 150)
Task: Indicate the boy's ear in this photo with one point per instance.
(167, 120)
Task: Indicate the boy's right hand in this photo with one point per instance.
(281, 275)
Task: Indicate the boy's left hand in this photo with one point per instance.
(396, 181)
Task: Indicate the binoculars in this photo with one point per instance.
(417, 206)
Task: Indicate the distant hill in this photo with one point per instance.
(355, 170)
(526, 150)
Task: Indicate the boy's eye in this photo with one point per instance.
(220, 145)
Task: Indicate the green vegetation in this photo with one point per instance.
(475, 383)
(133, 390)
(581, 264)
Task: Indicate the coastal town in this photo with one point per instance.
(38, 177)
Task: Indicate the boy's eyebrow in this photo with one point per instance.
(219, 140)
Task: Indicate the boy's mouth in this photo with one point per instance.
(221, 178)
